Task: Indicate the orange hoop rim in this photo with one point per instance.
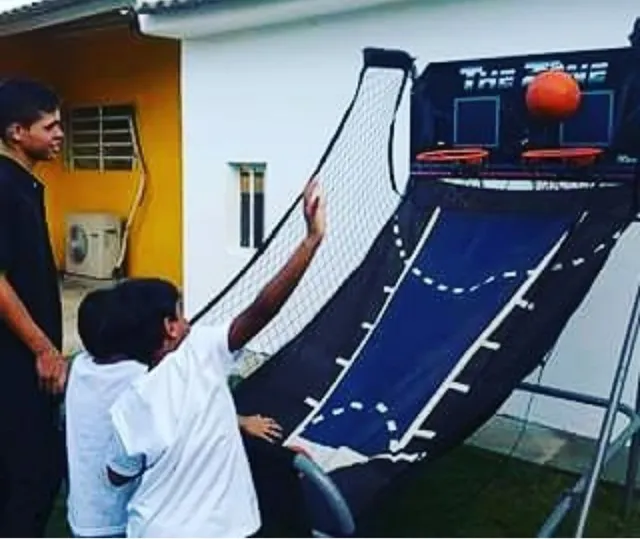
(465, 155)
(577, 155)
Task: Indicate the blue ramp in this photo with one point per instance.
(438, 309)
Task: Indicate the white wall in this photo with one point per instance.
(276, 96)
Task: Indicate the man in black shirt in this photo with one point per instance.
(34, 370)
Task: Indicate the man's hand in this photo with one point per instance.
(314, 210)
(261, 427)
(52, 367)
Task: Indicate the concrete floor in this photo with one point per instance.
(545, 446)
(73, 290)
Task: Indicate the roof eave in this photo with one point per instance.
(215, 18)
(171, 7)
(26, 20)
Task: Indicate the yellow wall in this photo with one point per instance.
(115, 66)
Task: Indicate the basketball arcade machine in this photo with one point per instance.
(519, 122)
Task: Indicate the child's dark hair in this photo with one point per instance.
(23, 102)
(94, 316)
(143, 305)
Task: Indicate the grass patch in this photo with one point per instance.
(475, 493)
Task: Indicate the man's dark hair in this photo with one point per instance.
(141, 306)
(23, 102)
(95, 315)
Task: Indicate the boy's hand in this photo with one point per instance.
(261, 427)
(314, 210)
(278, 290)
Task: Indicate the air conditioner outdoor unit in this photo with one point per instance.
(92, 244)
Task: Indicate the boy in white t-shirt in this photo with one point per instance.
(96, 378)
(176, 427)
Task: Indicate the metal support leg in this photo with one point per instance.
(567, 500)
(632, 465)
(572, 495)
(626, 356)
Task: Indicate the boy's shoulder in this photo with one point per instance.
(83, 363)
(210, 342)
(206, 347)
(207, 336)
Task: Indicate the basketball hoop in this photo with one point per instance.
(576, 156)
(469, 156)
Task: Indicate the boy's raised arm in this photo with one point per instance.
(275, 294)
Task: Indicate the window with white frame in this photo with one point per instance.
(251, 180)
(100, 137)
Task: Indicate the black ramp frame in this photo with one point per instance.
(306, 364)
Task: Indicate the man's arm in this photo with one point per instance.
(15, 314)
(50, 364)
(275, 294)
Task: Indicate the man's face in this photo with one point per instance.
(42, 141)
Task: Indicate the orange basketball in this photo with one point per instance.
(553, 95)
